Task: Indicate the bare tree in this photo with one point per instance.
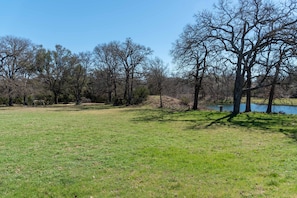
(156, 75)
(107, 60)
(246, 29)
(15, 56)
(80, 64)
(54, 69)
(132, 55)
(191, 52)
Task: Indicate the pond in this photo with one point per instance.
(259, 108)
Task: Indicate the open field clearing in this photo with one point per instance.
(99, 151)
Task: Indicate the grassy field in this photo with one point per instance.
(98, 151)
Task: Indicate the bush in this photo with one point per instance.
(140, 95)
(118, 102)
(185, 101)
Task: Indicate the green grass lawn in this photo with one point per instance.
(98, 151)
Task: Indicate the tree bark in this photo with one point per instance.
(248, 92)
(196, 95)
(238, 88)
(161, 101)
(56, 98)
(272, 89)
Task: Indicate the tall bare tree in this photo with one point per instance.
(132, 55)
(245, 29)
(80, 64)
(54, 69)
(15, 61)
(107, 61)
(191, 52)
(156, 76)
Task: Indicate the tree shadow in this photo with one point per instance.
(218, 121)
(286, 124)
(82, 107)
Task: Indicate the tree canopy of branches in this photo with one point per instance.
(132, 55)
(191, 52)
(156, 76)
(246, 29)
(54, 69)
(80, 65)
(108, 62)
(16, 59)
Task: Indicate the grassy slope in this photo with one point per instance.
(86, 152)
(277, 101)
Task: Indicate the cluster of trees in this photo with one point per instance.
(238, 50)
(118, 72)
(253, 40)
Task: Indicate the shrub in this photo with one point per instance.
(140, 95)
(185, 101)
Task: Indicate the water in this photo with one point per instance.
(259, 108)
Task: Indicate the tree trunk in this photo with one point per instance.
(272, 89)
(161, 101)
(248, 92)
(78, 99)
(25, 100)
(56, 98)
(198, 83)
(196, 88)
(126, 93)
(270, 100)
(10, 101)
(131, 96)
(196, 95)
(238, 87)
(109, 96)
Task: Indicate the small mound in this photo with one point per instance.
(168, 102)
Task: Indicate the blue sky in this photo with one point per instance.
(80, 25)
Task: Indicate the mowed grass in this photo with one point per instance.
(97, 151)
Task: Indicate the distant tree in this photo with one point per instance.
(15, 61)
(80, 65)
(54, 69)
(156, 76)
(28, 76)
(95, 86)
(107, 61)
(131, 55)
(282, 60)
(218, 82)
(191, 52)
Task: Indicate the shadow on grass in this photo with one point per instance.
(268, 122)
(167, 115)
(82, 107)
(286, 124)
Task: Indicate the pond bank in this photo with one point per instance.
(287, 109)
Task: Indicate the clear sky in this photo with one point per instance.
(80, 25)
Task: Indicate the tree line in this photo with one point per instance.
(113, 72)
(237, 50)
